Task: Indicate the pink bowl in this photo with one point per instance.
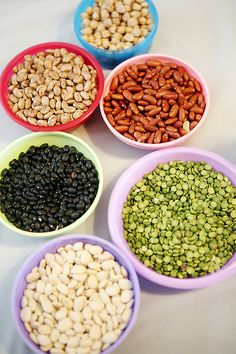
(118, 197)
(140, 59)
(19, 58)
(51, 247)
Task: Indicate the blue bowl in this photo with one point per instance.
(110, 58)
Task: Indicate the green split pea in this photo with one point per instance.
(180, 219)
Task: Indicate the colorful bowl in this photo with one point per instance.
(13, 150)
(118, 197)
(19, 58)
(163, 58)
(108, 58)
(51, 247)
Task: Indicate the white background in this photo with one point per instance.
(203, 33)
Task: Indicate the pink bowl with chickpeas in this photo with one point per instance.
(154, 101)
(56, 103)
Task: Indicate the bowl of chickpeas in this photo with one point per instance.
(114, 32)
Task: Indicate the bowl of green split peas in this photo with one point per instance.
(173, 213)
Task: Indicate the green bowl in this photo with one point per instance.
(13, 151)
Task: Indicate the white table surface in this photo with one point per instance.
(204, 34)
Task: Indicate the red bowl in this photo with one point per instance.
(19, 58)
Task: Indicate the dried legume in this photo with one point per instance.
(85, 310)
(47, 188)
(154, 102)
(116, 25)
(180, 219)
(52, 88)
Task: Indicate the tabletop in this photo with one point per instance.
(204, 34)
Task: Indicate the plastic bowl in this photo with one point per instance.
(13, 150)
(110, 58)
(136, 172)
(164, 58)
(19, 58)
(51, 247)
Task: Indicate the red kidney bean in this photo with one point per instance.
(138, 96)
(128, 95)
(140, 129)
(158, 136)
(171, 121)
(191, 116)
(144, 121)
(151, 138)
(128, 84)
(178, 124)
(117, 96)
(196, 109)
(165, 106)
(121, 129)
(144, 137)
(142, 67)
(137, 135)
(149, 102)
(111, 119)
(174, 111)
(164, 115)
(154, 84)
(123, 122)
(182, 132)
(198, 117)
(165, 138)
(127, 135)
(108, 109)
(114, 83)
(129, 112)
(174, 135)
(150, 128)
(134, 108)
(150, 99)
(161, 124)
(193, 124)
(121, 115)
(154, 111)
(132, 127)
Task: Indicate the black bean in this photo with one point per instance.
(47, 187)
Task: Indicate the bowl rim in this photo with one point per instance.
(70, 239)
(189, 283)
(7, 72)
(160, 56)
(92, 207)
(111, 53)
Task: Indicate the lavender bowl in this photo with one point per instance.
(51, 247)
(118, 197)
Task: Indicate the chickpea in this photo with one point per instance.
(116, 24)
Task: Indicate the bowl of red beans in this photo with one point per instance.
(154, 101)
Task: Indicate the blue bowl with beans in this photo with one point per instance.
(111, 58)
(50, 183)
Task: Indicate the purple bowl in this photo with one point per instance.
(135, 173)
(51, 247)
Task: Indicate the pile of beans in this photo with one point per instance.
(77, 301)
(154, 102)
(47, 188)
(180, 219)
(116, 25)
(52, 88)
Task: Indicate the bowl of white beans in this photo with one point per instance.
(77, 294)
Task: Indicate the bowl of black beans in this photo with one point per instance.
(50, 183)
